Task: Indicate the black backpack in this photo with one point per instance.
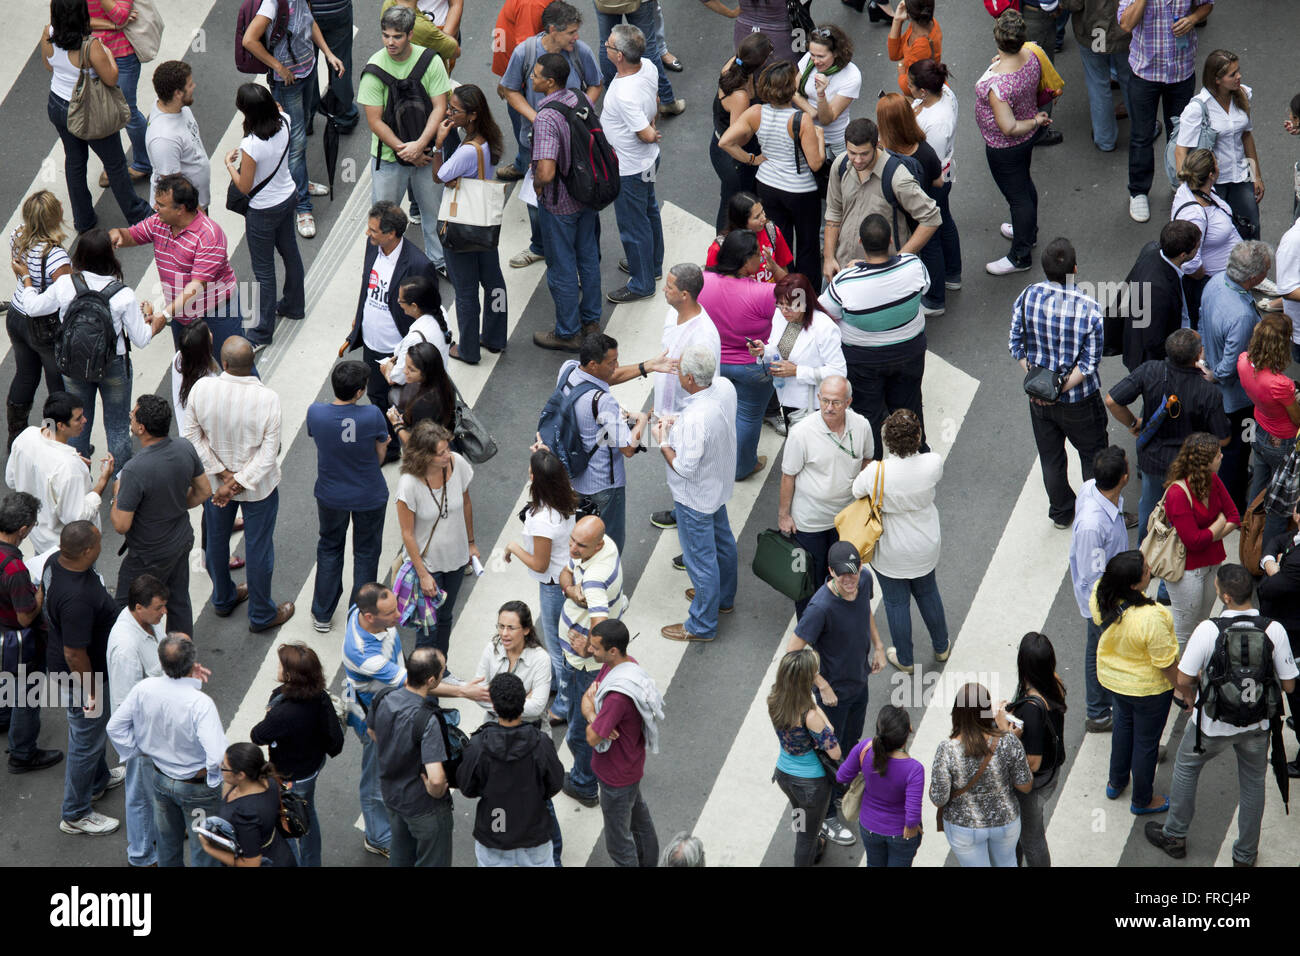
(592, 176)
(1239, 684)
(454, 740)
(560, 430)
(913, 166)
(87, 343)
(407, 105)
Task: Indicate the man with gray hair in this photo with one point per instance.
(683, 850)
(169, 720)
(649, 20)
(1228, 319)
(699, 446)
(628, 118)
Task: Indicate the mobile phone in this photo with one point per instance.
(1015, 721)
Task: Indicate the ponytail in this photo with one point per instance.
(892, 729)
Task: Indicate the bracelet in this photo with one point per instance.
(471, 540)
(641, 366)
(751, 159)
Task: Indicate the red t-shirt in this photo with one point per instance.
(780, 252)
(623, 764)
(1271, 393)
(1191, 520)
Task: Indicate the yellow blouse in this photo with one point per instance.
(1133, 650)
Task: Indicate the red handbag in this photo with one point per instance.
(997, 7)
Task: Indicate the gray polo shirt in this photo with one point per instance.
(155, 483)
(400, 719)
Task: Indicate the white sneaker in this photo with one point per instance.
(92, 823)
(116, 777)
(306, 225)
(837, 832)
(322, 627)
(952, 286)
(1139, 210)
(1007, 231)
(933, 313)
(1004, 267)
(317, 189)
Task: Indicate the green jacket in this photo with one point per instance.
(1091, 17)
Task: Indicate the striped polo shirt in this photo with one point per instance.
(601, 580)
(878, 304)
(199, 252)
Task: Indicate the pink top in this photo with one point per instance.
(1019, 90)
(199, 252)
(741, 309)
(1271, 393)
(1192, 520)
(115, 40)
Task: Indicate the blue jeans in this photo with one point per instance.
(306, 849)
(931, 256)
(550, 601)
(378, 830)
(1152, 491)
(949, 240)
(540, 855)
(1097, 71)
(1268, 458)
(630, 838)
(392, 180)
(76, 153)
(888, 850)
(367, 535)
(581, 775)
(640, 229)
(753, 390)
(647, 19)
(128, 79)
(1144, 98)
(1135, 741)
(24, 723)
(293, 99)
(983, 846)
(336, 31)
(1241, 198)
(449, 581)
(269, 231)
(176, 806)
(86, 770)
(709, 550)
(897, 594)
(223, 322)
(140, 830)
(572, 244)
(612, 503)
(259, 548)
(469, 271)
(114, 390)
(1097, 698)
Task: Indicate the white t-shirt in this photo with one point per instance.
(1229, 152)
(631, 104)
(699, 330)
(549, 523)
(437, 9)
(845, 82)
(378, 330)
(939, 124)
(448, 550)
(175, 146)
(1200, 648)
(824, 467)
(1288, 275)
(423, 329)
(266, 154)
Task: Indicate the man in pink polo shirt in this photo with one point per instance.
(190, 251)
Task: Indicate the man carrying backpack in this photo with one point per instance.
(404, 91)
(1242, 658)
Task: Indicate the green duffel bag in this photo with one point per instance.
(618, 7)
(782, 563)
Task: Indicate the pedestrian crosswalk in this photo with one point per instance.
(1003, 571)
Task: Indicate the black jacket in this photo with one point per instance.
(410, 261)
(299, 734)
(514, 770)
(1279, 594)
(1155, 307)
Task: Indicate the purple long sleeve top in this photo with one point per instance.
(891, 802)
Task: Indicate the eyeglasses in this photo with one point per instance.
(832, 402)
(451, 110)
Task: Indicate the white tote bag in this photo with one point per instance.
(145, 31)
(469, 218)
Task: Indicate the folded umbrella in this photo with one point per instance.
(330, 107)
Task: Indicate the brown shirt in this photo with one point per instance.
(854, 196)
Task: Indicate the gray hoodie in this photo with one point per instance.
(631, 679)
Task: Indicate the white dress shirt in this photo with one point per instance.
(55, 474)
(173, 723)
(817, 352)
(132, 656)
(233, 422)
(533, 668)
(703, 472)
(677, 337)
(124, 306)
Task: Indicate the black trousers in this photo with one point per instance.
(173, 571)
(29, 362)
(884, 379)
(377, 391)
(1083, 424)
(799, 217)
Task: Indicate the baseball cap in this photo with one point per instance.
(843, 558)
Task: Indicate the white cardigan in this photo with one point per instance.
(817, 352)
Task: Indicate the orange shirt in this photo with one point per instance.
(517, 21)
(912, 49)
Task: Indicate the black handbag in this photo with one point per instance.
(1043, 383)
(822, 175)
(476, 444)
(801, 24)
(237, 202)
(43, 329)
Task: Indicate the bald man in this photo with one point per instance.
(592, 583)
(234, 424)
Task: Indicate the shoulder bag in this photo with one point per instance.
(954, 794)
(95, 111)
(469, 218)
(1165, 552)
(1206, 137)
(476, 443)
(44, 329)
(144, 30)
(851, 802)
(861, 523)
(237, 201)
(822, 175)
(1043, 383)
(396, 567)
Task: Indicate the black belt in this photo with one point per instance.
(200, 777)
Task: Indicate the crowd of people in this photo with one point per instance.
(836, 245)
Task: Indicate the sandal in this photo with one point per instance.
(236, 562)
(306, 225)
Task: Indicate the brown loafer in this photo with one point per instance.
(549, 340)
(758, 466)
(678, 632)
(282, 614)
(241, 595)
(690, 596)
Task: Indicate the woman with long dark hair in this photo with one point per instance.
(193, 362)
(250, 803)
(1137, 661)
(261, 162)
(64, 43)
(302, 729)
(745, 211)
(475, 158)
(419, 298)
(428, 394)
(893, 784)
(735, 94)
(1040, 705)
(802, 348)
(95, 264)
(936, 114)
(977, 772)
(544, 550)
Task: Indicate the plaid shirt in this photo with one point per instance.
(1059, 328)
(1155, 54)
(551, 141)
(1284, 487)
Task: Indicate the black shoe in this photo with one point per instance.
(1049, 137)
(571, 791)
(1155, 832)
(1098, 725)
(679, 563)
(674, 67)
(1130, 520)
(1290, 722)
(1163, 599)
(664, 519)
(625, 294)
(39, 761)
(623, 267)
(1292, 769)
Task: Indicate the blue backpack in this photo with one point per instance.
(560, 430)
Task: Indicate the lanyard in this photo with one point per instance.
(848, 451)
